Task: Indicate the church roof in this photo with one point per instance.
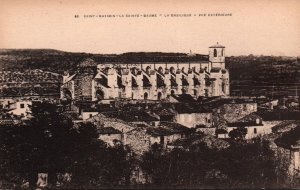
(217, 45)
(70, 78)
(215, 70)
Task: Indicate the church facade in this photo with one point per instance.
(148, 80)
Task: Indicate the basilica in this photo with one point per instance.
(148, 80)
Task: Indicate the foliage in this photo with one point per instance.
(241, 165)
(50, 143)
(238, 134)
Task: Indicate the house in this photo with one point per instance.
(167, 132)
(22, 108)
(252, 122)
(254, 125)
(130, 134)
(276, 117)
(253, 129)
(193, 117)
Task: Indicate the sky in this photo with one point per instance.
(262, 27)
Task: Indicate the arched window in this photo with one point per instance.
(215, 53)
(148, 68)
(161, 70)
(67, 94)
(159, 95)
(100, 94)
(145, 96)
(195, 92)
(172, 70)
(223, 87)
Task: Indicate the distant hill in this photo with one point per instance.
(264, 75)
(59, 61)
(249, 75)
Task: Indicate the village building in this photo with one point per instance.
(195, 119)
(21, 108)
(167, 132)
(148, 80)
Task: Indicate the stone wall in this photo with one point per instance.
(233, 112)
(208, 131)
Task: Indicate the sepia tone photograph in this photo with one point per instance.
(155, 94)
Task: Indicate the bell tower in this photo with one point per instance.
(217, 56)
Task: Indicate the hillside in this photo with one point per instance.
(264, 75)
(59, 61)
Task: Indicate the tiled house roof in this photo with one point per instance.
(108, 130)
(290, 140)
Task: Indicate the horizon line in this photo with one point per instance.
(232, 55)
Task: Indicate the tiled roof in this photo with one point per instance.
(190, 108)
(244, 124)
(221, 131)
(285, 126)
(108, 130)
(184, 98)
(165, 111)
(158, 131)
(279, 115)
(250, 118)
(290, 140)
(26, 91)
(175, 127)
(215, 70)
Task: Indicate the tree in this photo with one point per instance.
(50, 143)
(178, 167)
(241, 165)
(250, 165)
(238, 134)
